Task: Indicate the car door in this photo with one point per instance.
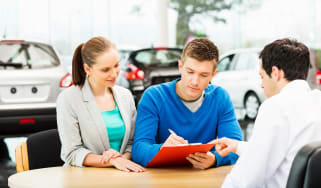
(238, 73)
(314, 75)
(245, 76)
(226, 76)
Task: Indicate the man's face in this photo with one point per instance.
(195, 77)
(268, 84)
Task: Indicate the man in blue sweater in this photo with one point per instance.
(195, 110)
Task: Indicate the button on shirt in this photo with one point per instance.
(285, 123)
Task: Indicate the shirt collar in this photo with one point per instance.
(296, 86)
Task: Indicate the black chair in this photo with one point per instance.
(306, 167)
(41, 150)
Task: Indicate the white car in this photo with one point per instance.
(238, 73)
(31, 77)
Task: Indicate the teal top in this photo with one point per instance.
(115, 127)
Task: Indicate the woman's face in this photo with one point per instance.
(105, 70)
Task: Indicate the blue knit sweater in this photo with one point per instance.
(161, 109)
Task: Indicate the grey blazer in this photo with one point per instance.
(81, 127)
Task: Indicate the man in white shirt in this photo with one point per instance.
(287, 120)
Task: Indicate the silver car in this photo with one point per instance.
(238, 73)
(31, 77)
(314, 76)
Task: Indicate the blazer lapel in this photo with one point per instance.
(122, 105)
(95, 115)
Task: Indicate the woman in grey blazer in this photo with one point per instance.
(96, 118)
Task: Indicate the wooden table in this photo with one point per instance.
(110, 177)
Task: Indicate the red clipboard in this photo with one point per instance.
(176, 155)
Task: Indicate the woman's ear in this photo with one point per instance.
(87, 69)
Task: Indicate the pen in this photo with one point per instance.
(172, 132)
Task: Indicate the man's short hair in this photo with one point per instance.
(201, 49)
(288, 55)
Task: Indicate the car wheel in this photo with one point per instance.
(251, 105)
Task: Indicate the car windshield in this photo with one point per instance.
(27, 55)
(225, 63)
(158, 57)
(123, 55)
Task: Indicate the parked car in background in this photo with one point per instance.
(238, 73)
(314, 76)
(31, 77)
(125, 50)
(149, 66)
(67, 62)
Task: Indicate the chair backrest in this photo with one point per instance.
(41, 150)
(44, 149)
(306, 167)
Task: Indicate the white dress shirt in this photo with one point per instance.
(285, 123)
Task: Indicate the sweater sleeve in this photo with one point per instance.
(147, 122)
(227, 126)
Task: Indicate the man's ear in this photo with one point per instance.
(214, 73)
(180, 65)
(277, 74)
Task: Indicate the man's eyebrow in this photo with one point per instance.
(206, 72)
(190, 69)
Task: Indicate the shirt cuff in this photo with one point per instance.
(218, 159)
(128, 148)
(80, 156)
(241, 147)
(154, 150)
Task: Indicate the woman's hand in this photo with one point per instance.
(126, 165)
(109, 154)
